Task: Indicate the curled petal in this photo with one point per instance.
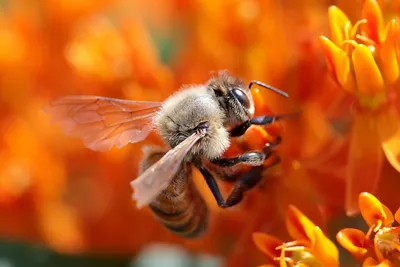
(391, 147)
(397, 216)
(353, 241)
(371, 262)
(372, 12)
(324, 249)
(389, 63)
(256, 137)
(364, 162)
(267, 244)
(388, 123)
(261, 108)
(373, 210)
(389, 131)
(338, 63)
(337, 24)
(298, 225)
(368, 75)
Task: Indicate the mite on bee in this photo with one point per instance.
(197, 123)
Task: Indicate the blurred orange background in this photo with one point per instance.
(56, 193)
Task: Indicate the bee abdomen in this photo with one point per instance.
(186, 215)
(180, 207)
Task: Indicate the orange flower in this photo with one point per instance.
(363, 59)
(309, 248)
(58, 187)
(109, 53)
(67, 12)
(380, 246)
(75, 201)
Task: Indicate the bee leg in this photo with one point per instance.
(229, 169)
(270, 147)
(212, 184)
(255, 158)
(263, 120)
(248, 181)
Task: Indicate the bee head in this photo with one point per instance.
(235, 98)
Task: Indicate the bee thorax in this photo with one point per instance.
(189, 111)
(213, 145)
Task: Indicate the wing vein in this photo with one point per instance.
(103, 122)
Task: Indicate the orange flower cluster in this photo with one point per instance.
(310, 246)
(380, 246)
(364, 60)
(344, 141)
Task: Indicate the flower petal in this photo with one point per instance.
(338, 64)
(388, 123)
(256, 138)
(368, 75)
(389, 131)
(389, 63)
(261, 108)
(372, 12)
(298, 225)
(364, 162)
(371, 262)
(324, 249)
(353, 241)
(373, 210)
(397, 216)
(267, 244)
(337, 23)
(391, 147)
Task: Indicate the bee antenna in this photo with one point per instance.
(269, 87)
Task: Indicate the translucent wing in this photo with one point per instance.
(156, 178)
(103, 122)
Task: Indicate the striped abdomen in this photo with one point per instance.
(180, 207)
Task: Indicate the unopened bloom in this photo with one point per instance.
(309, 248)
(380, 246)
(363, 58)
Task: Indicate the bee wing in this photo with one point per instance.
(156, 178)
(103, 122)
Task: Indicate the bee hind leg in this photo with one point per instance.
(249, 180)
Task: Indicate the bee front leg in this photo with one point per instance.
(253, 158)
(262, 120)
(242, 128)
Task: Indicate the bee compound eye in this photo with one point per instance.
(241, 97)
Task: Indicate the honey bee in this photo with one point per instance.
(197, 123)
